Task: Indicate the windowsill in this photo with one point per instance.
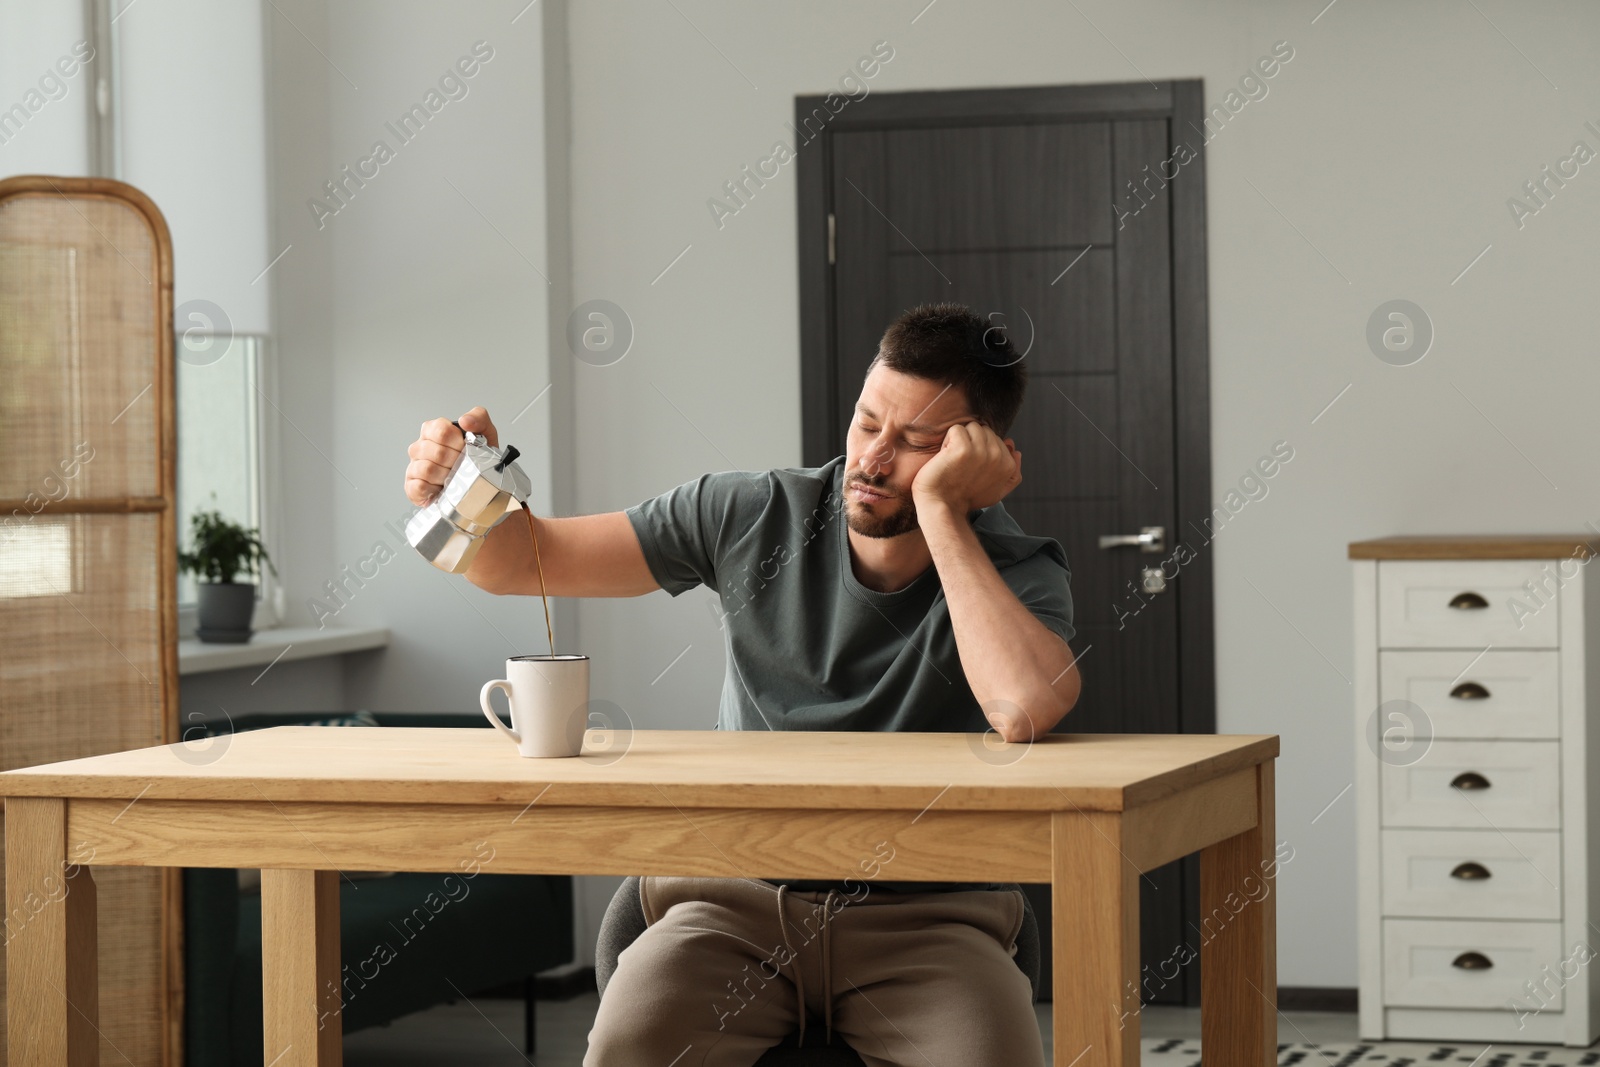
(279, 645)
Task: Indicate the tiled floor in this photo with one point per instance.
(488, 1033)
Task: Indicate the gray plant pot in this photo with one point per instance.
(226, 609)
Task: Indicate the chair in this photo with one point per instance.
(624, 921)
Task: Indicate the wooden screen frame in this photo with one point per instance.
(164, 505)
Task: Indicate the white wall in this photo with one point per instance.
(423, 294)
(1391, 142)
(298, 367)
(404, 305)
(53, 137)
(439, 271)
(192, 126)
(307, 685)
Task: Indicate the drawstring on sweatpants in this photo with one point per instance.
(799, 981)
(827, 971)
(794, 961)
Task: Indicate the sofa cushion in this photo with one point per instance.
(355, 718)
(250, 878)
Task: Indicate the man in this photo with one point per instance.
(926, 609)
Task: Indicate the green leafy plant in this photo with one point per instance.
(222, 549)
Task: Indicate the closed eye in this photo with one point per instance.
(869, 430)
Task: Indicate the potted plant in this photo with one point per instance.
(224, 550)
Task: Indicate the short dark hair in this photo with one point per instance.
(949, 343)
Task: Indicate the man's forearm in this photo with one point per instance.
(579, 555)
(1008, 655)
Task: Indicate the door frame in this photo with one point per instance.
(1182, 103)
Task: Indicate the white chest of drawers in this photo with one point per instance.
(1477, 661)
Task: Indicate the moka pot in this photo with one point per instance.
(484, 486)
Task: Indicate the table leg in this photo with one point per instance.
(1238, 937)
(1095, 942)
(52, 964)
(300, 968)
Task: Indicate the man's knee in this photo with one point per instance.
(650, 1017)
(683, 984)
(641, 1012)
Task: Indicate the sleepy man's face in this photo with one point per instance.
(898, 426)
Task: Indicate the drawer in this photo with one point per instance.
(1518, 786)
(1415, 599)
(1472, 874)
(1466, 693)
(1428, 963)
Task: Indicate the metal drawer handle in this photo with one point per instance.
(1469, 780)
(1472, 961)
(1469, 691)
(1468, 601)
(1470, 872)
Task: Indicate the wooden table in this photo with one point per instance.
(1089, 813)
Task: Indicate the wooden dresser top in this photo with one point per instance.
(1478, 546)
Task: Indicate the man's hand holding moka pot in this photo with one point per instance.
(481, 486)
(582, 556)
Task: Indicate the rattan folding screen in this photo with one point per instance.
(88, 542)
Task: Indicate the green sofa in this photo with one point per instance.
(400, 954)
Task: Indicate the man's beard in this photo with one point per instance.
(868, 523)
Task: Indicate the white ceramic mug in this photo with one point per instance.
(549, 701)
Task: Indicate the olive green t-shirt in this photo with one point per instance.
(808, 646)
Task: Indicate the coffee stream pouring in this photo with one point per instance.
(484, 486)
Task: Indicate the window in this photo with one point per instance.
(38, 559)
(219, 443)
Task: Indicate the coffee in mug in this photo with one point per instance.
(549, 702)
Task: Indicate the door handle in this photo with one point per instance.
(1148, 539)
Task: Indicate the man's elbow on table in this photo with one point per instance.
(1032, 716)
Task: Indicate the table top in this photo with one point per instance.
(659, 768)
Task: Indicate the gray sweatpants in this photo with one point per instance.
(728, 967)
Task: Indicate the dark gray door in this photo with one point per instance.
(1015, 211)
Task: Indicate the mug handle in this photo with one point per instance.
(488, 708)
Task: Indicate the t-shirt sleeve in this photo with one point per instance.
(1042, 583)
(685, 532)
